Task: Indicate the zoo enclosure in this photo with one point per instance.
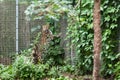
(16, 32)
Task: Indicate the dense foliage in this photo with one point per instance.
(54, 53)
(82, 36)
(47, 9)
(24, 69)
(110, 15)
(80, 32)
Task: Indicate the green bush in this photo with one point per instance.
(7, 73)
(54, 54)
(24, 69)
(61, 78)
(117, 71)
(68, 68)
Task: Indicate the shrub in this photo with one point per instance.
(117, 71)
(24, 69)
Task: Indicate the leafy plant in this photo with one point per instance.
(80, 33)
(24, 69)
(7, 73)
(54, 54)
(68, 68)
(117, 70)
(61, 78)
(46, 9)
(80, 30)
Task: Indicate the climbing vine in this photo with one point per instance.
(80, 29)
(82, 36)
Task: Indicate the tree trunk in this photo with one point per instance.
(97, 40)
(40, 47)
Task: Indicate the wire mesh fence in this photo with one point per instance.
(8, 29)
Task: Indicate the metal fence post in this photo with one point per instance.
(17, 26)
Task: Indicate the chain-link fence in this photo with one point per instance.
(8, 29)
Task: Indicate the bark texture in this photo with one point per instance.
(97, 39)
(39, 47)
(46, 36)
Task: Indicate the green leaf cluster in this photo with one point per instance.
(47, 9)
(23, 68)
(54, 53)
(80, 30)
